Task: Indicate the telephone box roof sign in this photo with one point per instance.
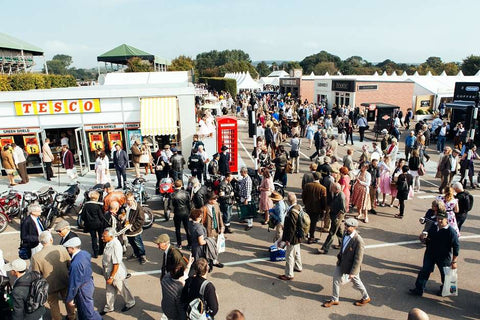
(379, 105)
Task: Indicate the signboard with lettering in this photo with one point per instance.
(31, 145)
(368, 87)
(132, 125)
(18, 131)
(6, 140)
(96, 141)
(114, 137)
(31, 108)
(95, 127)
(466, 91)
(343, 85)
(290, 82)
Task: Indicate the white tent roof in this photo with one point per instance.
(244, 81)
(279, 73)
(274, 81)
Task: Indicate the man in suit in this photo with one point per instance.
(63, 230)
(120, 162)
(444, 168)
(348, 265)
(52, 262)
(337, 213)
(172, 257)
(135, 218)
(68, 163)
(314, 197)
(80, 283)
(48, 158)
(30, 229)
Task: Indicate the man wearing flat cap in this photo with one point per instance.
(20, 292)
(62, 228)
(172, 257)
(442, 250)
(348, 265)
(80, 285)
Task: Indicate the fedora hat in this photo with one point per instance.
(275, 196)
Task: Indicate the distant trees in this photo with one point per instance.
(216, 63)
(471, 65)
(182, 63)
(60, 65)
(136, 64)
(263, 69)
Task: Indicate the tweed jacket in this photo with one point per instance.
(53, 262)
(314, 197)
(350, 259)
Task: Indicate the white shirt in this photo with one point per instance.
(454, 164)
(18, 156)
(37, 224)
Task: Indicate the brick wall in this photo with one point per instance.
(396, 93)
(307, 88)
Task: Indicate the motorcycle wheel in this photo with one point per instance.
(166, 208)
(50, 219)
(3, 222)
(149, 218)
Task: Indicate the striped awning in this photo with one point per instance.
(158, 116)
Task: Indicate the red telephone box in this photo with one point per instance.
(227, 135)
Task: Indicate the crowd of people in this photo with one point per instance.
(337, 191)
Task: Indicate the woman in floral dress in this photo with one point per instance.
(451, 207)
(266, 188)
(360, 197)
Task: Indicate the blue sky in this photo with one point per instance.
(404, 31)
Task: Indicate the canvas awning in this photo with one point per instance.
(158, 116)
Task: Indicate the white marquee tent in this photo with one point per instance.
(244, 81)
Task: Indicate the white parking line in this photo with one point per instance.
(248, 153)
(372, 246)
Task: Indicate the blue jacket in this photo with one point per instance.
(410, 141)
(80, 273)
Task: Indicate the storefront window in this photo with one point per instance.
(30, 145)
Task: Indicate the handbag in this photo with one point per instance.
(421, 170)
(450, 284)
(144, 158)
(289, 167)
(220, 243)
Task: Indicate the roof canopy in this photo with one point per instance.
(124, 52)
(244, 80)
(8, 42)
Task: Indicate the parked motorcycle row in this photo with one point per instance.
(56, 204)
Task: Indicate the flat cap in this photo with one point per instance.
(18, 265)
(351, 222)
(61, 225)
(73, 243)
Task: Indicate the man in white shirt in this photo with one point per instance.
(20, 163)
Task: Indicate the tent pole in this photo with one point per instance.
(45, 63)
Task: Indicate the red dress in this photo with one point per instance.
(345, 183)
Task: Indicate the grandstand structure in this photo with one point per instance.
(16, 56)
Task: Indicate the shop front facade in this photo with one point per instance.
(353, 91)
(96, 118)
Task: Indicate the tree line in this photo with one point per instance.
(217, 63)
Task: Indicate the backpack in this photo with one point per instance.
(303, 224)
(37, 296)
(469, 198)
(196, 308)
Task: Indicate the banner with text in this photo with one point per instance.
(31, 108)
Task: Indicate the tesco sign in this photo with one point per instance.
(31, 108)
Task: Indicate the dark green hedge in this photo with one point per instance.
(29, 81)
(220, 84)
